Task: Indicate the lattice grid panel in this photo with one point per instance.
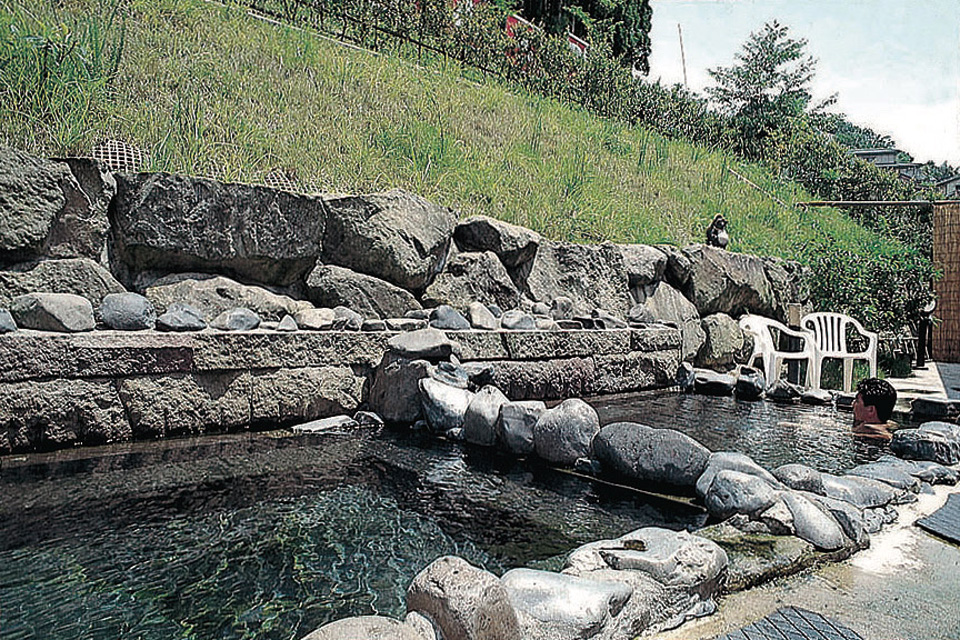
(119, 156)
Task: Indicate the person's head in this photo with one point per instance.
(874, 402)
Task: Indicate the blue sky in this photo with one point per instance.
(894, 63)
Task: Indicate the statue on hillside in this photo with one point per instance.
(717, 232)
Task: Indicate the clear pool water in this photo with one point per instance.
(256, 536)
(270, 536)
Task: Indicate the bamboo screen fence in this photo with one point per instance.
(946, 255)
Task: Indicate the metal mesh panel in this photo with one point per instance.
(793, 623)
(119, 156)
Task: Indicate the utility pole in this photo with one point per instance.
(683, 57)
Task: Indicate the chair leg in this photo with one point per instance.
(847, 374)
(813, 372)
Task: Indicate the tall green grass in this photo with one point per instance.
(56, 70)
(208, 90)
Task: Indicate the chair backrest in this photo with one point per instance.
(830, 331)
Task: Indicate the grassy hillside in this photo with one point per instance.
(209, 90)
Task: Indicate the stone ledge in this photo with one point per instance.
(36, 355)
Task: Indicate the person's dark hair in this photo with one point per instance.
(880, 394)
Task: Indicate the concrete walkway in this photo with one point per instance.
(935, 380)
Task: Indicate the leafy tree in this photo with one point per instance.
(767, 87)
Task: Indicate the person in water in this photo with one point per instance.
(872, 409)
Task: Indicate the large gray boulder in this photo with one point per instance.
(848, 516)
(332, 286)
(472, 277)
(395, 236)
(733, 492)
(644, 264)
(517, 420)
(677, 271)
(395, 390)
(212, 295)
(672, 558)
(55, 209)
(925, 470)
(565, 433)
(888, 473)
(480, 418)
(512, 244)
(367, 628)
(732, 461)
(444, 406)
(726, 282)
(789, 281)
(651, 455)
(555, 605)
(465, 602)
(800, 477)
(63, 312)
(178, 223)
(861, 492)
(934, 441)
(723, 342)
(78, 276)
(668, 305)
(812, 524)
(127, 312)
(592, 276)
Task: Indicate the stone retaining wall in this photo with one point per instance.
(59, 390)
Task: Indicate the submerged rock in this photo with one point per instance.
(367, 627)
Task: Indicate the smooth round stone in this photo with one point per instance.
(127, 312)
(517, 320)
(446, 317)
(239, 319)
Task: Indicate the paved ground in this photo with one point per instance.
(904, 587)
(935, 380)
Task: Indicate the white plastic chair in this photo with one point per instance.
(765, 346)
(830, 333)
